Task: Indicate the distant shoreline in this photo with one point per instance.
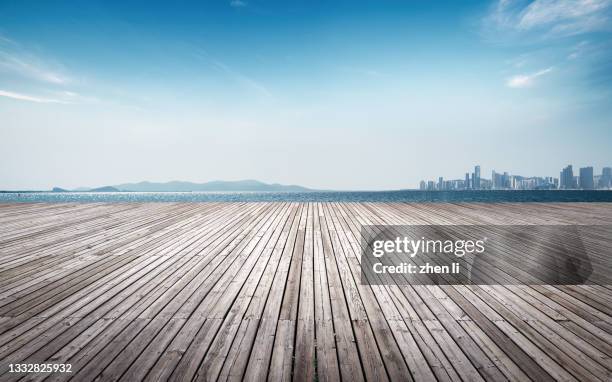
(306, 191)
(409, 196)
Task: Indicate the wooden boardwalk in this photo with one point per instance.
(255, 291)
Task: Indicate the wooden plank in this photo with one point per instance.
(253, 291)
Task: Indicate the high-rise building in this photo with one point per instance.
(467, 181)
(566, 178)
(440, 183)
(497, 180)
(423, 186)
(605, 181)
(586, 178)
(550, 183)
(506, 181)
(476, 177)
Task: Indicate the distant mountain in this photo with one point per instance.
(104, 189)
(58, 189)
(239, 185)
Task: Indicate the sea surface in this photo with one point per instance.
(548, 196)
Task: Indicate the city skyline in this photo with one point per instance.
(585, 180)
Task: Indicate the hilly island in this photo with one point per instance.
(183, 186)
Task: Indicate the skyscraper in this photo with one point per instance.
(467, 181)
(506, 181)
(586, 178)
(440, 184)
(605, 181)
(566, 178)
(476, 177)
(497, 180)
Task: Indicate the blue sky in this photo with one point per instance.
(349, 95)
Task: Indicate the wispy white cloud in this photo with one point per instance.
(551, 18)
(547, 12)
(40, 75)
(526, 80)
(238, 77)
(362, 71)
(502, 14)
(29, 98)
(519, 61)
(6, 40)
(31, 67)
(242, 79)
(579, 50)
(238, 4)
(537, 23)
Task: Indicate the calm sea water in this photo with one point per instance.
(340, 196)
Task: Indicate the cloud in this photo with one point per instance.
(579, 50)
(547, 12)
(238, 77)
(242, 79)
(519, 61)
(238, 4)
(31, 67)
(68, 93)
(362, 71)
(551, 18)
(42, 76)
(6, 40)
(526, 80)
(24, 97)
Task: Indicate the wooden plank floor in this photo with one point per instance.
(255, 291)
